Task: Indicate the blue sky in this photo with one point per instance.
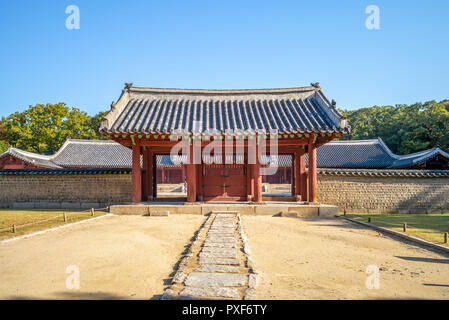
(222, 44)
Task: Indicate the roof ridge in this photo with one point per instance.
(220, 91)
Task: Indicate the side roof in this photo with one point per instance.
(417, 158)
(93, 153)
(200, 111)
(31, 158)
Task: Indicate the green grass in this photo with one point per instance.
(430, 227)
(39, 220)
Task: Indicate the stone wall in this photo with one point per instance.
(385, 194)
(374, 191)
(64, 191)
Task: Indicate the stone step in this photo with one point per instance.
(232, 255)
(217, 268)
(215, 260)
(197, 279)
(210, 292)
(218, 245)
(220, 213)
(216, 250)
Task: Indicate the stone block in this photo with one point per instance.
(71, 205)
(209, 292)
(197, 279)
(159, 213)
(327, 210)
(129, 210)
(23, 205)
(90, 205)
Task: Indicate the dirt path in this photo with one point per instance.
(328, 258)
(119, 257)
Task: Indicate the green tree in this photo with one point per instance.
(404, 128)
(94, 124)
(44, 128)
(4, 145)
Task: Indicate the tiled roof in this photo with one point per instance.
(149, 110)
(93, 153)
(355, 154)
(364, 154)
(385, 173)
(417, 158)
(29, 157)
(63, 171)
(321, 171)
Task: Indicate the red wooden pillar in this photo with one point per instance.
(136, 174)
(150, 176)
(292, 177)
(257, 179)
(312, 170)
(302, 174)
(191, 177)
(249, 181)
(297, 157)
(163, 175)
(145, 175)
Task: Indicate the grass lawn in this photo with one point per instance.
(28, 221)
(430, 227)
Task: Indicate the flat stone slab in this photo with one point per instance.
(217, 268)
(197, 279)
(221, 234)
(218, 245)
(232, 255)
(222, 250)
(214, 260)
(220, 239)
(210, 292)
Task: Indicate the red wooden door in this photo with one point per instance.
(224, 182)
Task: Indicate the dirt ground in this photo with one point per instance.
(119, 257)
(328, 258)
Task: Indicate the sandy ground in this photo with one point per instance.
(119, 257)
(327, 259)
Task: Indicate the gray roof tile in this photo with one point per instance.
(148, 110)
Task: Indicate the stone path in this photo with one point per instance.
(217, 264)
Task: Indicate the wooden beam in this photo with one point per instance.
(312, 170)
(136, 175)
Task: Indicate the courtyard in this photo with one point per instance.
(133, 257)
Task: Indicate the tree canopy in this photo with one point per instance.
(44, 128)
(404, 128)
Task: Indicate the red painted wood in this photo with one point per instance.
(150, 179)
(297, 173)
(191, 177)
(227, 182)
(145, 175)
(302, 175)
(257, 181)
(312, 171)
(136, 175)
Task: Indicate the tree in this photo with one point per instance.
(44, 128)
(404, 128)
(3, 138)
(95, 122)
